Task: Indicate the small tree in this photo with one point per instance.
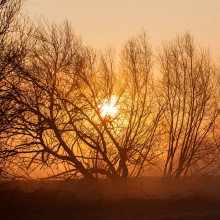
(10, 53)
(188, 89)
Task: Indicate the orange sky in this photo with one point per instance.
(112, 22)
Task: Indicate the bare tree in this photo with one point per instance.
(63, 91)
(10, 53)
(188, 89)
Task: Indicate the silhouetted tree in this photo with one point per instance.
(188, 89)
(60, 90)
(75, 112)
(10, 54)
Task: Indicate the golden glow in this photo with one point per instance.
(109, 108)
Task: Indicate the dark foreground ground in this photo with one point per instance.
(151, 201)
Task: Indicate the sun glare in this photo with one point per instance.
(108, 108)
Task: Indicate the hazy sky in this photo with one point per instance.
(112, 22)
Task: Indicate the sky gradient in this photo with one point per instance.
(112, 22)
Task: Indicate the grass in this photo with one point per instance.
(88, 203)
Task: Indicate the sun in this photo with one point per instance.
(109, 108)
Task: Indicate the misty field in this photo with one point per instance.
(149, 198)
